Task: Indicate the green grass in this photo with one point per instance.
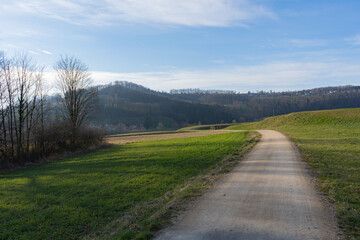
(121, 192)
(330, 142)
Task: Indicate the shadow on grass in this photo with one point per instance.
(77, 195)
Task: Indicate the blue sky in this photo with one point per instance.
(210, 44)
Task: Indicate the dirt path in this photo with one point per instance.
(269, 195)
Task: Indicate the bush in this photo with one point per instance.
(55, 138)
(90, 136)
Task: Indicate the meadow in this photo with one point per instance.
(121, 192)
(330, 142)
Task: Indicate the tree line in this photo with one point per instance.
(33, 128)
(256, 106)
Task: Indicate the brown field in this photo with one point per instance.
(172, 135)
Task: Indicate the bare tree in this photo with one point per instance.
(25, 80)
(8, 103)
(20, 80)
(3, 105)
(41, 110)
(77, 96)
(34, 102)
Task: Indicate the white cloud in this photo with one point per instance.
(305, 43)
(7, 46)
(271, 76)
(33, 52)
(355, 41)
(47, 52)
(213, 13)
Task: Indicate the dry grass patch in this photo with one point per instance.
(120, 139)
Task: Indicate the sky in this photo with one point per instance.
(236, 45)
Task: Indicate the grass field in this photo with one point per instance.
(121, 192)
(205, 127)
(125, 139)
(330, 142)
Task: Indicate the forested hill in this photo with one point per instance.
(126, 106)
(258, 105)
(124, 109)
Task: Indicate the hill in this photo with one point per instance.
(124, 109)
(336, 119)
(127, 107)
(330, 142)
(253, 106)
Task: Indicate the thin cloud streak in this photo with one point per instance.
(194, 13)
(306, 43)
(47, 52)
(33, 52)
(355, 41)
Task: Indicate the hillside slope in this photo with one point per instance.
(330, 142)
(127, 107)
(124, 109)
(258, 105)
(339, 118)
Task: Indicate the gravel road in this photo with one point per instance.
(269, 195)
